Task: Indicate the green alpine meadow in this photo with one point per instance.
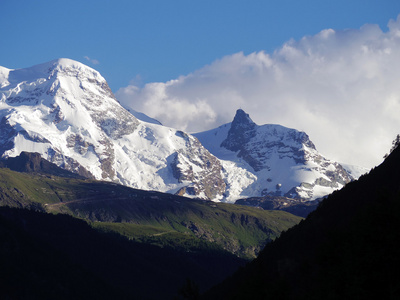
(151, 217)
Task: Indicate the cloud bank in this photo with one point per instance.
(341, 87)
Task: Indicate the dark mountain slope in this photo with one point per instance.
(347, 249)
(31, 268)
(146, 216)
(45, 256)
(40, 250)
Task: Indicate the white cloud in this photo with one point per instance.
(340, 87)
(91, 60)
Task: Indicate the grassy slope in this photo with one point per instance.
(151, 217)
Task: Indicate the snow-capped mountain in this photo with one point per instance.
(65, 111)
(271, 160)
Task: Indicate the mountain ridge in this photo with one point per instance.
(66, 111)
(272, 160)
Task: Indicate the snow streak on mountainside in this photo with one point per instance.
(271, 160)
(65, 111)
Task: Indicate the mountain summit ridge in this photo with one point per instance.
(66, 112)
(273, 161)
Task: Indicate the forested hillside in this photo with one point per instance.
(346, 249)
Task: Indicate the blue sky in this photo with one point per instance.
(329, 68)
(158, 40)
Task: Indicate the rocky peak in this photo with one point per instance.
(279, 161)
(241, 131)
(242, 120)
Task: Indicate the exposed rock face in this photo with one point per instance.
(196, 165)
(242, 130)
(274, 160)
(66, 111)
(34, 163)
(26, 162)
(7, 133)
(256, 145)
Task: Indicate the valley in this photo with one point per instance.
(88, 187)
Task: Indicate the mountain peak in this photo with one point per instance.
(62, 64)
(66, 112)
(45, 71)
(283, 161)
(66, 62)
(69, 67)
(242, 119)
(242, 129)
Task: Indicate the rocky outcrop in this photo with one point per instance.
(241, 131)
(196, 166)
(34, 163)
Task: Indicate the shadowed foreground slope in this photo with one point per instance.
(55, 256)
(347, 249)
(151, 217)
(45, 256)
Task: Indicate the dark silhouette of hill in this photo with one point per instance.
(346, 249)
(45, 256)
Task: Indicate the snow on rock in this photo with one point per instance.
(66, 111)
(272, 160)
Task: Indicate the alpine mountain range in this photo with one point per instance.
(66, 112)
